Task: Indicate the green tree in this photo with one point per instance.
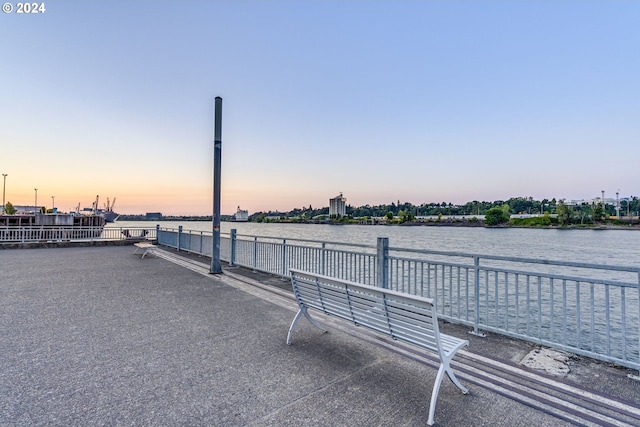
(598, 212)
(495, 216)
(389, 216)
(565, 213)
(506, 212)
(406, 216)
(584, 213)
(9, 209)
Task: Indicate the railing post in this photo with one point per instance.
(476, 298)
(232, 237)
(637, 377)
(323, 268)
(284, 258)
(383, 265)
(179, 237)
(157, 233)
(255, 252)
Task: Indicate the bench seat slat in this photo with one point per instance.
(411, 319)
(325, 301)
(412, 329)
(332, 309)
(427, 339)
(413, 310)
(367, 318)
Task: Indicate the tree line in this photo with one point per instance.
(498, 211)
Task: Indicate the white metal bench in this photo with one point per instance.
(148, 248)
(404, 317)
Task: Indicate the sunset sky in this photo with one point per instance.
(417, 101)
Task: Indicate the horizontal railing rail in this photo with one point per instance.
(49, 233)
(588, 309)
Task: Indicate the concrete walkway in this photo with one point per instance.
(98, 336)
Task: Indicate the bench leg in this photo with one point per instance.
(444, 368)
(301, 312)
(454, 380)
(150, 251)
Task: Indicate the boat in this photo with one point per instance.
(110, 216)
(108, 213)
(45, 227)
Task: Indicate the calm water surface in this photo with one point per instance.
(614, 247)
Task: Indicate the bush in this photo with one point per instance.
(495, 216)
(540, 221)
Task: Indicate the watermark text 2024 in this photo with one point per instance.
(24, 8)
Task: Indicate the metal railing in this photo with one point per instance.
(46, 233)
(587, 309)
(583, 308)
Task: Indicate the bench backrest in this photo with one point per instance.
(407, 318)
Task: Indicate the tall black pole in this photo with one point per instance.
(216, 267)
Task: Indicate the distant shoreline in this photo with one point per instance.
(470, 224)
(634, 226)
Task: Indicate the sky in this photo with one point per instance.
(416, 101)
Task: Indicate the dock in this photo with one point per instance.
(99, 336)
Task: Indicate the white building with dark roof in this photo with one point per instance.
(338, 206)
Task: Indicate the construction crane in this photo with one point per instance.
(109, 207)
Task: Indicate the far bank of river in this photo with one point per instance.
(629, 226)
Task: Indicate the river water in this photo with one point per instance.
(611, 247)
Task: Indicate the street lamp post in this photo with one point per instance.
(4, 187)
(53, 203)
(216, 267)
(35, 203)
